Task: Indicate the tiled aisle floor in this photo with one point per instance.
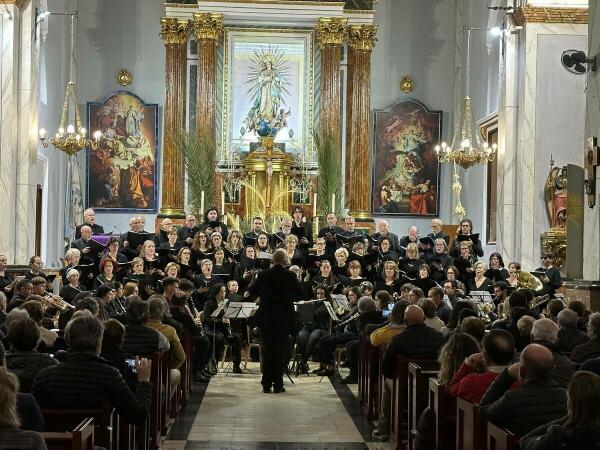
(235, 414)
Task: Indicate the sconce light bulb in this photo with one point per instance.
(42, 133)
(70, 129)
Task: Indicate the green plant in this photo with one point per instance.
(330, 174)
(199, 157)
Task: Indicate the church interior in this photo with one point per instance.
(300, 224)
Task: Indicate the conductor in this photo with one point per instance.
(277, 288)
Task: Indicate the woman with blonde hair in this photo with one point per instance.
(389, 279)
(479, 282)
(409, 266)
(10, 434)
(235, 244)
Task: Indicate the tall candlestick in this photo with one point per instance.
(315, 204)
(202, 203)
(223, 206)
(333, 203)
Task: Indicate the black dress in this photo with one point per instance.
(487, 285)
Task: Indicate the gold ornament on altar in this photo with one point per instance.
(207, 25)
(407, 84)
(331, 30)
(124, 77)
(362, 37)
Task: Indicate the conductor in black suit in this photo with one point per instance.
(277, 288)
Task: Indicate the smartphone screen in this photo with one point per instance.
(131, 364)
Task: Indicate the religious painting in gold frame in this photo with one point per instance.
(406, 172)
(249, 55)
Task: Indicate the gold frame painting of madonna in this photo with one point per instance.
(122, 173)
(406, 172)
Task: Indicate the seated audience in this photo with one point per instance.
(436, 295)
(524, 326)
(24, 360)
(431, 319)
(84, 380)
(11, 436)
(569, 336)
(537, 401)
(383, 335)
(590, 349)
(112, 341)
(458, 348)
(36, 311)
(479, 370)
(554, 307)
(140, 339)
(591, 365)
(473, 326)
(580, 427)
(545, 332)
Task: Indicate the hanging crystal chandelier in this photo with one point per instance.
(70, 137)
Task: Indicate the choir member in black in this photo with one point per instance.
(221, 267)
(383, 230)
(301, 228)
(172, 270)
(311, 332)
(72, 288)
(340, 265)
(294, 254)
(83, 245)
(389, 281)
(7, 281)
(212, 224)
(351, 233)
(167, 251)
(437, 233)
(204, 282)
(113, 250)
(314, 261)
(496, 272)
(262, 244)
(409, 267)
(234, 246)
(35, 269)
(327, 278)
(108, 271)
(218, 330)
(453, 275)
(139, 277)
(464, 262)
(189, 229)
(137, 225)
(424, 280)
(151, 263)
(201, 249)
(306, 286)
(513, 269)
(162, 237)
(366, 260)
(384, 253)
(466, 229)
(426, 247)
(479, 282)
(216, 240)
(72, 257)
(354, 277)
(246, 269)
(440, 260)
(328, 233)
(278, 239)
(257, 228)
(106, 296)
(411, 237)
(550, 278)
(89, 220)
(183, 259)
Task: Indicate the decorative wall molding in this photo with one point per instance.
(533, 14)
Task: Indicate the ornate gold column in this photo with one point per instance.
(361, 40)
(208, 28)
(330, 33)
(175, 34)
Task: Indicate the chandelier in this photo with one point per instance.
(233, 174)
(70, 137)
(468, 148)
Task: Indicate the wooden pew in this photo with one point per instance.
(418, 386)
(368, 377)
(104, 421)
(500, 438)
(442, 408)
(155, 420)
(470, 429)
(81, 438)
(399, 403)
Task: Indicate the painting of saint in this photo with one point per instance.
(122, 171)
(406, 170)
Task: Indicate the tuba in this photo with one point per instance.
(528, 281)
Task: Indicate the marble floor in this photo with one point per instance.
(232, 412)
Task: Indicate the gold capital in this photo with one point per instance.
(207, 25)
(174, 31)
(362, 37)
(331, 30)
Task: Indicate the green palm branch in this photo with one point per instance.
(330, 174)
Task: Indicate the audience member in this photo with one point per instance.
(383, 335)
(590, 349)
(436, 295)
(140, 339)
(473, 326)
(459, 347)
(554, 307)
(545, 332)
(431, 320)
(537, 401)
(112, 341)
(569, 336)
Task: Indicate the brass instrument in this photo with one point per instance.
(58, 302)
(501, 311)
(538, 301)
(528, 281)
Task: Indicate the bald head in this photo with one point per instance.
(537, 363)
(414, 314)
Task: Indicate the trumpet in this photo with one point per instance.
(539, 301)
(58, 302)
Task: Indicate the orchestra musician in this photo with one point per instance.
(311, 332)
(550, 277)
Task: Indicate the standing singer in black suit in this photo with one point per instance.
(277, 288)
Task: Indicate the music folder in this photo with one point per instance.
(331, 311)
(339, 301)
(240, 310)
(481, 296)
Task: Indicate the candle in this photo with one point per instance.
(315, 204)
(223, 204)
(202, 202)
(332, 203)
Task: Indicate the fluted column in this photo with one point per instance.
(208, 28)
(361, 40)
(175, 34)
(330, 33)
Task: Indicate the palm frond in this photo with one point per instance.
(199, 157)
(330, 174)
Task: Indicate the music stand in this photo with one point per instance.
(339, 301)
(238, 310)
(480, 298)
(216, 314)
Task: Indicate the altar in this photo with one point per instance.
(261, 81)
